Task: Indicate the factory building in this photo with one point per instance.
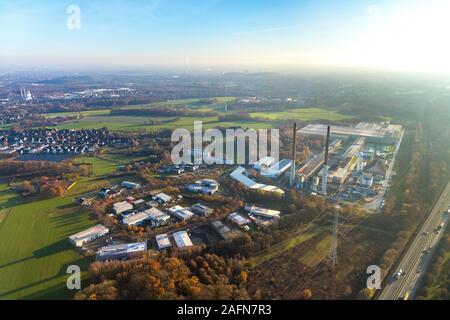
(88, 235)
(182, 239)
(201, 209)
(239, 176)
(181, 213)
(121, 251)
(163, 241)
(130, 185)
(238, 219)
(277, 169)
(205, 186)
(156, 217)
(374, 132)
(162, 198)
(264, 163)
(121, 207)
(262, 212)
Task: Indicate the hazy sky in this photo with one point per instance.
(390, 34)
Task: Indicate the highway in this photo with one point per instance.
(416, 261)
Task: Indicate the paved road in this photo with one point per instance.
(415, 262)
(376, 204)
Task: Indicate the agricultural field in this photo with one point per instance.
(304, 114)
(95, 119)
(34, 250)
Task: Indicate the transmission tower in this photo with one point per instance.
(332, 255)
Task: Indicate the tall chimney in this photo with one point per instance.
(294, 157)
(325, 167)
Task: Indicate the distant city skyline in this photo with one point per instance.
(382, 35)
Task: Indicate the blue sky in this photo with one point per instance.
(194, 32)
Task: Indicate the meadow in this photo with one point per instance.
(303, 114)
(34, 249)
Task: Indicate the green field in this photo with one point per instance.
(307, 114)
(96, 119)
(34, 250)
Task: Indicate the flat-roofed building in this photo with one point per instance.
(201, 209)
(277, 169)
(182, 239)
(181, 213)
(120, 207)
(88, 235)
(239, 176)
(373, 132)
(264, 163)
(238, 219)
(121, 251)
(163, 241)
(130, 185)
(263, 212)
(162, 198)
(144, 216)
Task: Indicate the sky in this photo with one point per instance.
(408, 35)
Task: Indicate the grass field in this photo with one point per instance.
(297, 237)
(34, 250)
(131, 123)
(307, 114)
(96, 119)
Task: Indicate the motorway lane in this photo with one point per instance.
(415, 258)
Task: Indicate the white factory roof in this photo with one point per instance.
(182, 239)
(163, 241)
(139, 217)
(264, 162)
(164, 197)
(121, 249)
(265, 212)
(98, 229)
(362, 130)
(181, 212)
(277, 169)
(249, 183)
(238, 219)
(122, 205)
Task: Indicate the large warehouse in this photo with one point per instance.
(88, 235)
(373, 132)
(121, 251)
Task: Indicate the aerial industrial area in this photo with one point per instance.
(95, 169)
(354, 166)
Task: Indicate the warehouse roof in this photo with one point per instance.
(121, 249)
(182, 239)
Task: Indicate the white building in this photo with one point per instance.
(88, 235)
(239, 176)
(121, 251)
(120, 207)
(263, 212)
(182, 239)
(181, 213)
(163, 241)
(201, 209)
(238, 219)
(152, 214)
(264, 163)
(130, 185)
(162, 198)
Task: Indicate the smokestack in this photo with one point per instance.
(325, 167)
(294, 157)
